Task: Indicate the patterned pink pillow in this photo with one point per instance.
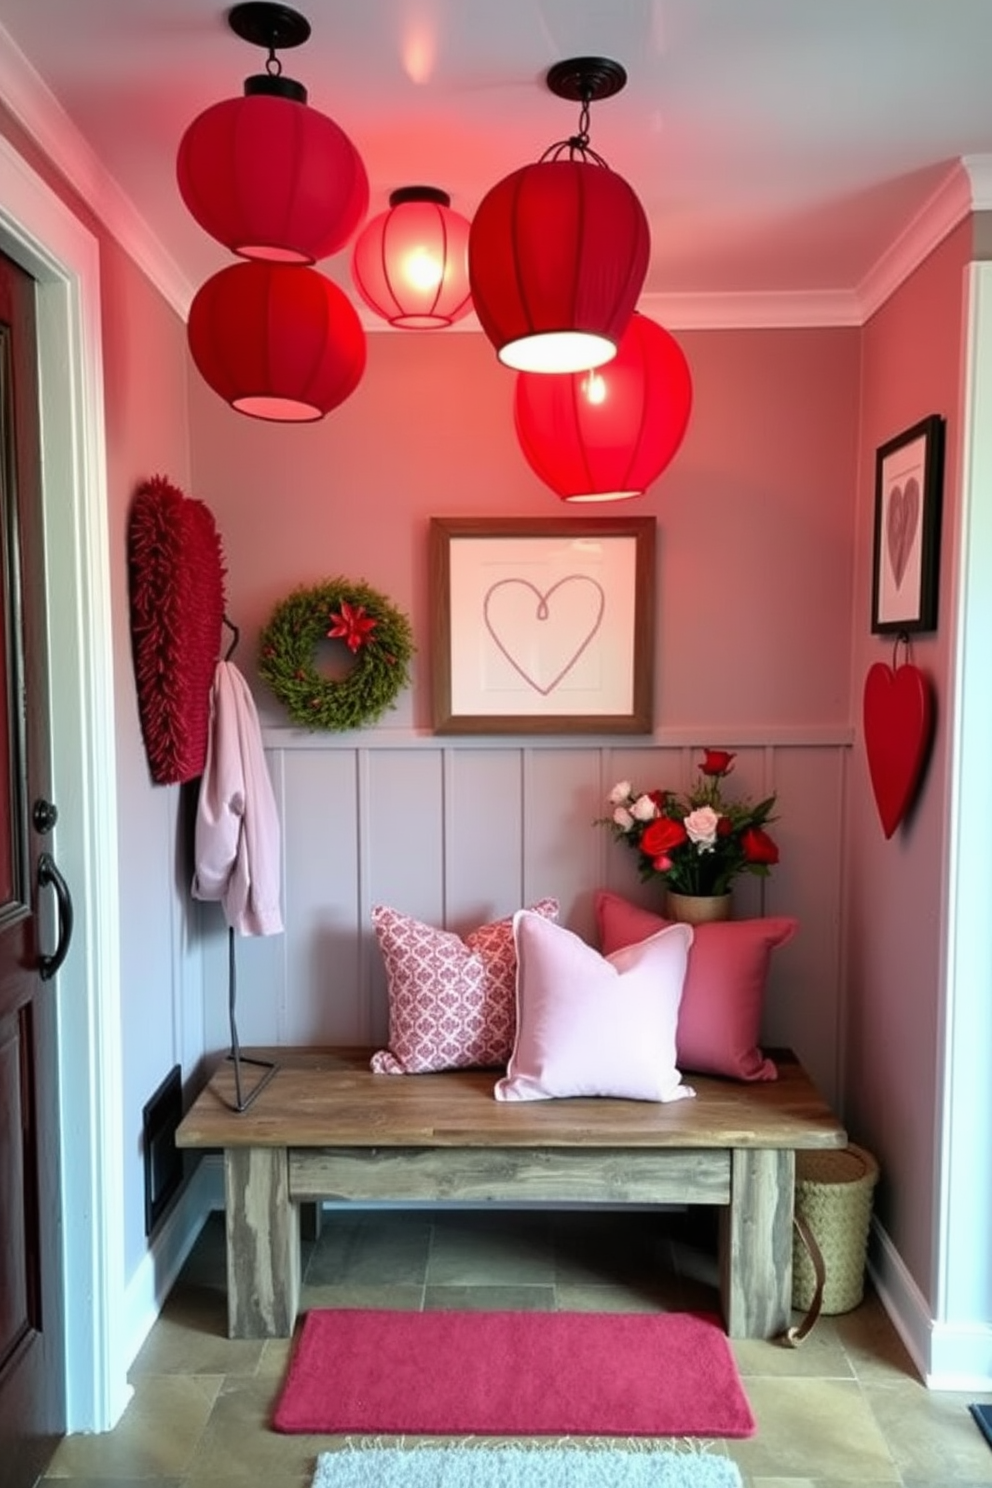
(452, 1002)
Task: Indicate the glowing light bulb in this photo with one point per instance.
(422, 270)
(594, 388)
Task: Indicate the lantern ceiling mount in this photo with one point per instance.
(583, 80)
(586, 79)
(278, 28)
(419, 194)
(268, 25)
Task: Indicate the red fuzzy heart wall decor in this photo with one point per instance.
(898, 724)
(176, 583)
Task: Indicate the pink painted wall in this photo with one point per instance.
(896, 889)
(145, 379)
(755, 515)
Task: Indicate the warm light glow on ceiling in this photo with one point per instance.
(419, 48)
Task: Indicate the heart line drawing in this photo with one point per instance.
(542, 614)
(901, 521)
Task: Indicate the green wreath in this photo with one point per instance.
(378, 635)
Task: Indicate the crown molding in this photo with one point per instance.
(979, 171)
(763, 310)
(946, 206)
(35, 107)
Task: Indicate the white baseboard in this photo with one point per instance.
(948, 1356)
(152, 1281)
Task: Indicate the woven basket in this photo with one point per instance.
(834, 1196)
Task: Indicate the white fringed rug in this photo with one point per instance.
(467, 1465)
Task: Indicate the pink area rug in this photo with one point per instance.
(513, 1374)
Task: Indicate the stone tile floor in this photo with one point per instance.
(845, 1408)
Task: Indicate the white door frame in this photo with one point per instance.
(38, 231)
(961, 1334)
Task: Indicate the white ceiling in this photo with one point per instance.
(780, 147)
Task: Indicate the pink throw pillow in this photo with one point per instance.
(451, 1001)
(594, 1025)
(720, 1017)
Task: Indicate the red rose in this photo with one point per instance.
(661, 835)
(716, 762)
(758, 846)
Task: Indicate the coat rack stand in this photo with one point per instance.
(269, 1066)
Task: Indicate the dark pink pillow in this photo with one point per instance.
(720, 1014)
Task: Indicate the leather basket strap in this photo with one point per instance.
(794, 1336)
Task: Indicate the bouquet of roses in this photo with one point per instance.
(697, 843)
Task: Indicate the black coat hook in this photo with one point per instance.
(235, 638)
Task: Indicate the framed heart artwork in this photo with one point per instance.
(542, 625)
(908, 482)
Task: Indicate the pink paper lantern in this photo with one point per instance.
(410, 264)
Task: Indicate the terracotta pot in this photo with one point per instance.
(698, 909)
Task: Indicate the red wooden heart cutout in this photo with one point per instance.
(898, 714)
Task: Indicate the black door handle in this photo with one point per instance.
(48, 873)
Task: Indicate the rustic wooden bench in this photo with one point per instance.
(325, 1127)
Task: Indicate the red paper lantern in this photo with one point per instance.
(557, 256)
(607, 433)
(271, 178)
(410, 264)
(277, 341)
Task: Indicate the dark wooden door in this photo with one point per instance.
(32, 1342)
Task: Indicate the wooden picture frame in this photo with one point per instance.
(909, 473)
(542, 625)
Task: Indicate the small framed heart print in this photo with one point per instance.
(542, 625)
(909, 473)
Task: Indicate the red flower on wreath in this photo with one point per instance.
(352, 625)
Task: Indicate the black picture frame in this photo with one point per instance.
(909, 473)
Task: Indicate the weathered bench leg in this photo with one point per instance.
(756, 1243)
(263, 1243)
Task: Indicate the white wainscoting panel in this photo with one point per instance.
(460, 831)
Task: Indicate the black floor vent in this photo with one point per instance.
(163, 1159)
